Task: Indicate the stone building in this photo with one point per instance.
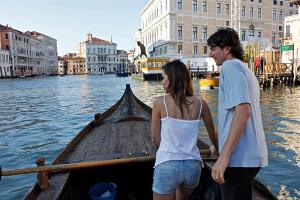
(5, 64)
(180, 29)
(100, 55)
(292, 36)
(31, 53)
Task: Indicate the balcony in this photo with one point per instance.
(195, 40)
(180, 39)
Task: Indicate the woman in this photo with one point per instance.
(174, 130)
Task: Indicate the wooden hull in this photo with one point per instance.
(120, 133)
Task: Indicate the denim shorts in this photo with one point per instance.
(168, 175)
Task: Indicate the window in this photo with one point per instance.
(291, 5)
(204, 6)
(259, 13)
(227, 9)
(281, 3)
(251, 12)
(179, 48)
(227, 23)
(273, 38)
(274, 15)
(259, 34)
(195, 5)
(179, 4)
(195, 50)
(195, 32)
(6, 35)
(243, 11)
(251, 30)
(204, 49)
(259, 1)
(205, 33)
(275, 2)
(287, 31)
(179, 31)
(218, 8)
(280, 15)
(279, 28)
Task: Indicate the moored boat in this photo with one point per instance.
(209, 83)
(149, 69)
(117, 146)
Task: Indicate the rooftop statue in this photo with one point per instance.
(142, 48)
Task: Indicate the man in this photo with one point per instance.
(242, 145)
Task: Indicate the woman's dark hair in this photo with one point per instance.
(180, 83)
(227, 37)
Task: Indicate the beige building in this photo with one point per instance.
(180, 28)
(72, 64)
(292, 36)
(62, 66)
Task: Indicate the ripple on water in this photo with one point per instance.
(40, 116)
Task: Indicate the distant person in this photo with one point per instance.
(257, 65)
(242, 145)
(262, 64)
(174, 129)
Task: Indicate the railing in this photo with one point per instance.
(278, 68)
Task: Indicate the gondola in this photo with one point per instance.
(119, 142)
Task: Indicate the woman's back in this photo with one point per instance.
(179, 134)
(191, 111)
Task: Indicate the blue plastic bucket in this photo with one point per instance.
(103, 191)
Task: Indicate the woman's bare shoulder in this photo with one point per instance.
(158, 100)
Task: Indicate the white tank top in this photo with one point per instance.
(178, 139)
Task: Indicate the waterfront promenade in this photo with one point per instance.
(39, 116)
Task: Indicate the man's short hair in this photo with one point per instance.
(227, 37)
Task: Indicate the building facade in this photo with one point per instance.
(50, 60)
(72, 64)
(31, 53)
(62, 66)
(5, 64)
(122, 61)
(100, 55)
(292, 36)
(180, 28)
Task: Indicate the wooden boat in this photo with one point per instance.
(120, 139)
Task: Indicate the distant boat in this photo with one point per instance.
(122, 74)
(149, 69)
(209, 83)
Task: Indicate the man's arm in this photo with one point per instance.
(209, 124)
(242, 113)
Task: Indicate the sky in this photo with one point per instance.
(68, 21)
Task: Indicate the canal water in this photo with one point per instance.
(39, 116)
